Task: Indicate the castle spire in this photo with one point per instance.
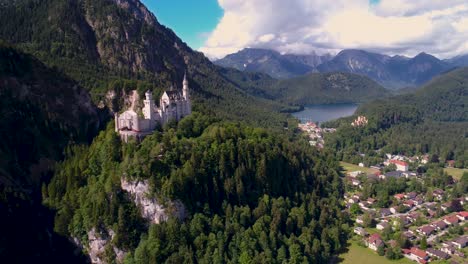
(185, 87)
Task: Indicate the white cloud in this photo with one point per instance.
(403, 27)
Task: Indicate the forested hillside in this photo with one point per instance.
(434, 119)
(251, 195)
(42, 112)
(313, 88)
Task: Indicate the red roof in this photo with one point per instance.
(374, 237)
(418, 252)
(399, 196)
(452, 219)
(463, 214)
(399, 162)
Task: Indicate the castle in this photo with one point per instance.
(173, 105)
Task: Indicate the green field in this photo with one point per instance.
(454, 172)
(360, 255)
(348, 167)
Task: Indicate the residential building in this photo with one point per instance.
(375, 241)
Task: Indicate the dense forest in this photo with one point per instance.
(252, 195)
(433, 119)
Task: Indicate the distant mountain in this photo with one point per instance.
(392, 72)
(458, 61)
(272, 62)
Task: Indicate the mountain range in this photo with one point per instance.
(392, 72)
(273, 63)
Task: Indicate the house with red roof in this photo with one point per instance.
(451, 220)
(418, 255)
(375, 241)
(399, 196)
(463, 216)
(400, 165)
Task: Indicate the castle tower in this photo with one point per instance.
(148, 108)
(185, 89)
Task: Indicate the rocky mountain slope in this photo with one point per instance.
(272, 62)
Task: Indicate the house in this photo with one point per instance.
(413, 217)
(418, 200)
(371, 201)
(403, 219)
(438, 194)
(385, 212)
(353, 200)
(448, 248)
(450, 163)
(440, 225)
(426, 230)
(355, 182)
(418, 255)
(360, 231)
(463, 216)
(411, 195)
(394, 209)
(437, 253)
(451, 220)
(399, 196)
(365, 205)
(409, 235)
(409, 203)
(382, 225)
(360, 220)
(361, 164)
(354, 174)
(446, 206)
(391, 174)
(400, 165)
(375, 241)
(461, 242)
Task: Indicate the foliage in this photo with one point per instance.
(431, 120)
(252, 195)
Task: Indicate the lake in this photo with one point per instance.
(323, 113)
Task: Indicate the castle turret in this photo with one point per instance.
(185, 89)
(148, 110)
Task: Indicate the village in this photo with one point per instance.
(400, 213)
(315, 133)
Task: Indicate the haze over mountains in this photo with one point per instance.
(393, 72)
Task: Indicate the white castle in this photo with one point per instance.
(173, 105)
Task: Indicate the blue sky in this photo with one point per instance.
(191, 20)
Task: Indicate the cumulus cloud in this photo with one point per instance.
(407, 27)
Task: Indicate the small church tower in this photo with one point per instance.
(185, 89)
(148, 111)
